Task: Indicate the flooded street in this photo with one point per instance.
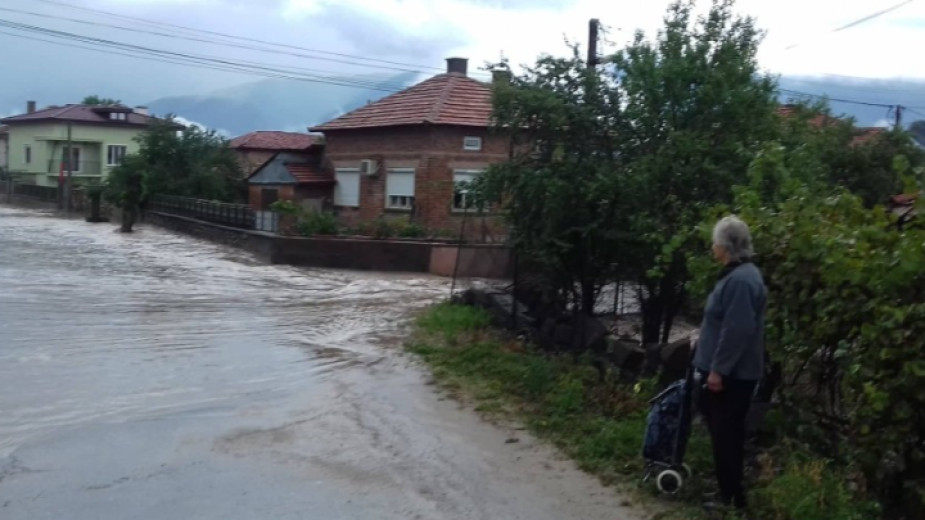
(157, 376)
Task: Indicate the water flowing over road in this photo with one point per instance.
(156, 376)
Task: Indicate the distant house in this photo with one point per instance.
(410, 154)
(292, 177)
(101, 136)
(862, 135)
(256, 148)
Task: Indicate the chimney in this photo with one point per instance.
(500, 77)
(457, 65)
(142, 110)
(30, 107)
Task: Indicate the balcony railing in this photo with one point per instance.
(77, 168)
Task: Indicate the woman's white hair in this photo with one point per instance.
(733, 236)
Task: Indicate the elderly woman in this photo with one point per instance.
(729, 357)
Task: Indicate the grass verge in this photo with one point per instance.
(600, 423)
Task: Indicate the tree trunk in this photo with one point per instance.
(652, 312)
(128, 219)
(587, 297)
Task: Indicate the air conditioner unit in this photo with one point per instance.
(369, 167)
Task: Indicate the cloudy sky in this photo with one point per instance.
(412, 34)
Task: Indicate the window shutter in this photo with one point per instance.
(400, 183)
(347, 190)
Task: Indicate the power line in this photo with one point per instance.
(837, 100)
(916, 112)
(235, 37)
(872, 16)
(177, 61)
(861, 20)
(240, 66)
(207, 40)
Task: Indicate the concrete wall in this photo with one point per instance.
(356, 254)
(475, 261)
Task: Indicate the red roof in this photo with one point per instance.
(862, 134)
(276, 141)
(446, 99)
(904, 199)
(867, 134)
(308, 174)
(88, 114)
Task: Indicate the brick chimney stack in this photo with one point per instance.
(30, 107)
(457, 65)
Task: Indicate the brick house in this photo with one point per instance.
(292, 177)
(408, 155)
(256, 148)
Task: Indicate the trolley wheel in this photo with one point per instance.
(669, 481)
(687, 471)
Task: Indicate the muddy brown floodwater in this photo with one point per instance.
(155, 376)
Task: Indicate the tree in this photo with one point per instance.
(125, 189)
(192, 163)
(560, 190)
(917, 130)
(96, 100)
(610, 164)
(189, 163)
(700, 111)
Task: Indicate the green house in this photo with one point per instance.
(101, 136)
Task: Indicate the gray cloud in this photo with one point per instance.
(369, 36)
(524, 4)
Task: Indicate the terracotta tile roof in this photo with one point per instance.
(817, 121)
(445, 99)
(89, 114)
(865, 135)
(308, 174)
(268, 140)
(862, 134)
(904, 199)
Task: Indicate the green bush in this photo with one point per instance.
(383, 229)
(314, 223)
(846, 320)
(286, 207)
(411, 230)
(810, 491)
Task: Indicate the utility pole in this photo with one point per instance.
(899, 117)
(68, 191)
(593, 26)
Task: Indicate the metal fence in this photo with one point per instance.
(45, 193)
(234, 215)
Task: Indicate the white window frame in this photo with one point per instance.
(471, 174)
(339, 200)
(109, 148)
(394, 200)
(27, 154)
(472, 143)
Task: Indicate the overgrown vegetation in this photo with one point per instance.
(307, 222)
(600, 423)
(173, 160)
(618, 172)
(613, 165)
(845, 318)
